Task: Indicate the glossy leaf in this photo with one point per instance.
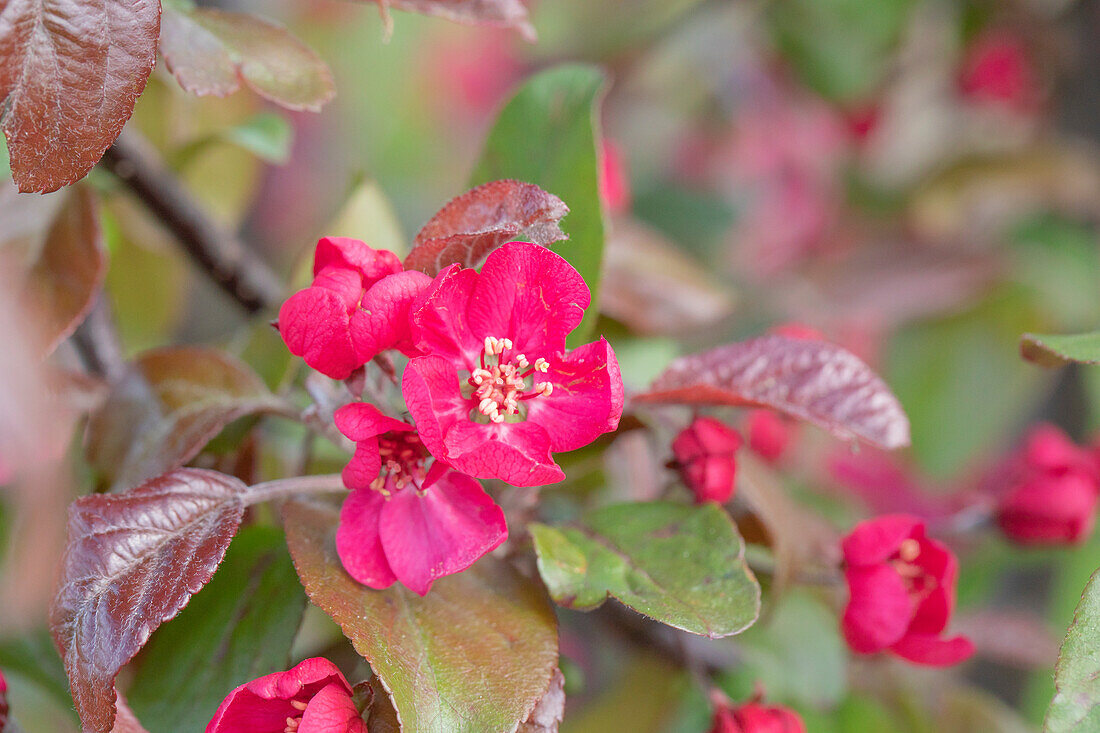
(681, 565)
(472, 225)
(1055, 351)
(500, 13)
(475, 654)
(558, 108)
(212, 51)
(808, 379)
(169, 404)
(1076, 703)
(133, 560)
(69, 267)
(239, 627)
(70, 73)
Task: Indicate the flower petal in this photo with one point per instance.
(431, 391)
(879, 608)
(382, 320)
(438, 318)
(934, 611)
(358, 543)
(875, 540)
(587, 399)
(516, 453)
(331, 711)
(931, 650)
(345, 282)
(264, 703)
(314, 324)
(530, 295)
(442, 531)
(373, 264)
(362, 420)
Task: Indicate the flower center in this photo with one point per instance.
(292, 722)
(505, 380)
(403, 457)
(918, 581)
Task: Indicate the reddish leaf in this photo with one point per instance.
(471, 226)
(70, 73)
(64, 260)
(133, 560)
(547, 715)
(68, 274)
(475, 654)
(167, 407)
(812, 380)
(213, 51)
(500, 13)
(125, 720)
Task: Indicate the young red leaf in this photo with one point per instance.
(133, 560)
(213, 51)
(808, 379)
(167, 407)
(67, 275)
(475, 654)
(474, 224)
(500, 13)
(70, 73)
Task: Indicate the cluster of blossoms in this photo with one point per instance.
(754, 717)
(490, 388)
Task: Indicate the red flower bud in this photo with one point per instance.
(1054, 490)
(997, 70)
(902, 587)
(753, 717)
(705, 454)
(769, 434)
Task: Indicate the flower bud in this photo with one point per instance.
(705, 455)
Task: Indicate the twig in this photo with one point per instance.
(97, 343)
(220, 254)
(286, 488)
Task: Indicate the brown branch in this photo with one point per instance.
(219, 253)
(97, 342)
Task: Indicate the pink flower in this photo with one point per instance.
(997, 70)
(408, 523)
(902, 587)
(705, 453)
(769, 434)
(752, 717)
(3, 702)
(614, 184)
(497, 391)
(1055, 485)
(356, 307)
(312, 697)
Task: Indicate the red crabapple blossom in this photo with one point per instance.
(705, 454)
(1054, 488)
(355, 308)
(753, 717)
(902, 587)
(496, 391)
(405, 520)
(312, 697)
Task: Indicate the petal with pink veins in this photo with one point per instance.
(314, 325)
(442, 531)
(587, 399)
(516, 453)
(431, 389)
(374, 264)
(530, 295)
(438, 318)
(382, 320)
(357, 540)
(332, 711)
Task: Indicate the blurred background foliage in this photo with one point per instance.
(917, 179)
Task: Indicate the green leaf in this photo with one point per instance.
(34, 656)
(239, 627)
(475, 654)
(1054, 351)
(839, 47)
(681, 565)
(558, 108)
(266, 134)
(1076, 703)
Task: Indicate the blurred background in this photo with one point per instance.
(918, 180)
